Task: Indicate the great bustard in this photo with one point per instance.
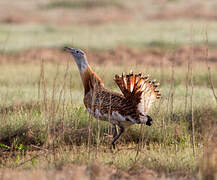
(122, 110)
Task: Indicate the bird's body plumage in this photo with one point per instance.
(130, 107)
(120, 109)
(111, 106)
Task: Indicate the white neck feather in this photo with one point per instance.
(82, 64)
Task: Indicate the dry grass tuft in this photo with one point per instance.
(208, 164)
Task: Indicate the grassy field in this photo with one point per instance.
(45, 130)
(143, 34)
(44, 123)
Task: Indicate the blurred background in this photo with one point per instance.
(41, 95)
(119, 25)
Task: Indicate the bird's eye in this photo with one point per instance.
(77, 52)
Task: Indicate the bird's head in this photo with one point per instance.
(76, 53)
(79, 56)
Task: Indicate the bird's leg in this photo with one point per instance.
(115, 138)
(114, 130)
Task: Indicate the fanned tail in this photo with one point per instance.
(138, 89)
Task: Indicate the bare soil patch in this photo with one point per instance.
(191, 10)
(32, 12)
(93, 171)
(36, 12)
(66, 16)
(119, 56)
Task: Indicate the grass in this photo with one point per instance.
(162, 34)
(43, 122)
(46, 127)
(22, 84)
(86, 4)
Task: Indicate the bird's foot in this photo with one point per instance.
(113, 148)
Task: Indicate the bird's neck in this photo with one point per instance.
(90, 79)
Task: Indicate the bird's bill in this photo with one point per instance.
(68, 49)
